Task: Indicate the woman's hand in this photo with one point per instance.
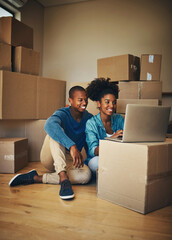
(76, 156)
(117, 134)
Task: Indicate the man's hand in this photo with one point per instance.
(117, 134)
(76, 156)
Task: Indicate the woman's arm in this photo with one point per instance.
(92, 137)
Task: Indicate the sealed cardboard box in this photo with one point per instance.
(15, 33)
(119, 68)
(5, 57)
(51, 95)
(13, 154)
(137, 176)
(26, 60)
(18, 96)
(150, 67)
(140, 90)
(34, 131)
(92, 106)
(122, 103)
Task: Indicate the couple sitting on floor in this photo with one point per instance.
(70, 129)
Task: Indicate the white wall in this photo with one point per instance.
(76, 35)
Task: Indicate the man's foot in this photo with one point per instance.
(23, 179)
(66, 191)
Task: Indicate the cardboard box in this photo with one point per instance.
(137, 176)
(15, 33)
(92, 106)
(13, 154)
(18, 95)
(119, 68)
(34, 131)
(122, 103)
(26, 60)
(150, 67)
(140, 90)
(51, 95)
(5, 57)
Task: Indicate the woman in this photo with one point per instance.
(105, 124)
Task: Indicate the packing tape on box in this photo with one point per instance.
(134, 67)
(151, 58)
(149, 76)
(139, 90)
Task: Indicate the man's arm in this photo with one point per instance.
(54, 129)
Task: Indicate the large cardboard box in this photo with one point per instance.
(122, 103)
(51, 95)
(92, 106)
(5, 57)
(150, 66)
(140, 90)
(26, 60)
(18, 95)
(34, 131)
(137, 176)
(15, 33)
(13, 154)
(119, 68)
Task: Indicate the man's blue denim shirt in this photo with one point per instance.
(63, 128)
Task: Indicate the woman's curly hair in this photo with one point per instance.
(99, 87)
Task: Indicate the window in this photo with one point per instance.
(5, 13)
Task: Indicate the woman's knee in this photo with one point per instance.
(93, 164)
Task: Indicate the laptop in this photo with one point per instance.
(144, 124)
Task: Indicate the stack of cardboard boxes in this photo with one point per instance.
(135, 175)
(125, 70)
(24, 95)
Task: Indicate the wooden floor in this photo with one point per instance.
(36, 212)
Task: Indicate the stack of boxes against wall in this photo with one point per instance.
(26, 98)
(141, 172)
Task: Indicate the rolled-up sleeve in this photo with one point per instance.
(54, 129)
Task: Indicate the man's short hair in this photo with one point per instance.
(75, 88)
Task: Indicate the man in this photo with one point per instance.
(61, 150)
